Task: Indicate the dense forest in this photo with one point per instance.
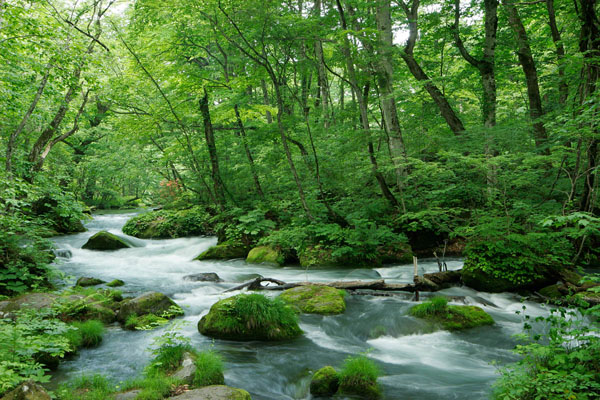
(325, 132)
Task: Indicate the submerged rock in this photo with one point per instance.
(215, 392)
(265, 254)
(250, 317)
(63, 253)
(479, 279)
(105, 241)
(154, 303)
(203, 277)
(224, 251)
(85, 281)
(315, 299)
(451, 317)
(27, 391)
(325, 382)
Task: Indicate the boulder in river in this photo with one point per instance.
(86, 281)
(315, 299)
(27, 391)
(154, 303)
(325, 382)
(115, 283)
(224, 251)
(451, 317)
(265, 254)
(250, 317)
(105, 241)
(203, 277)
(215, 392)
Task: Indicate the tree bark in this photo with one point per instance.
(531, 77)
(563, 87)
(263, 86)
(322, 75)
(248, 153)
(212, 152)
(453, 121)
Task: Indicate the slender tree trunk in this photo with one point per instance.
(248, 153)
(453, 121)
(13, 137)
(212, 152)
(263, 86)
(385, 75)
(322, 75)
(531, 77)
(563, 87)
(363, 112)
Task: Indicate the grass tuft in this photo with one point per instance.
(209, 369)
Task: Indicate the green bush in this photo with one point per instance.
(564, 363)
(91, 332)
(209, 369)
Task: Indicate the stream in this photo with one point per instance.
(417, 362)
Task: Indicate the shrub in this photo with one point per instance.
(91, 332)
(209, 369)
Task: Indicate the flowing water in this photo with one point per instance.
(417, 362)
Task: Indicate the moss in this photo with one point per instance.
(149, 303)
(224, 251)
(451, 317)
(105, 241)
(144, 322)
(165, 224)
(315, 299)
(265, 254)
(85, 281)
(359, 377)
(551, 292)
(325, 382)
(115, 283)
(250, 317)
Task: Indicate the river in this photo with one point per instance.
(417, 362)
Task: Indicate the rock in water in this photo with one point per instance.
(105, 241)
(216, 392)
(186, 371)
(149, 303)
(27, 391)
(250, 317)
(315, 299)
(224, 251)
(85, 281)
(203, 277)
(325, 382)
(265, 254)
(115, 283)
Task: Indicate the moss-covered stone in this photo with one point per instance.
(149, 303)
(315, 299)
(551, 292)
(144, 322)
(265, 254)
(365, 390)
(105, 241)
(27, 391)
(85, 281)
(250, 317)
(224, 251)
(478, 278)
(165, 224)
(325, 382)
(115, 283)
(570, 276)
(451, 317)
(215, 392)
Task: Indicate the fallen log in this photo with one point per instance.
(256, 284)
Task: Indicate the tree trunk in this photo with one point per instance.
(322, 75)
(263, 86)
(248, 153)
(531, 77)
(563, 88)
(212, 152)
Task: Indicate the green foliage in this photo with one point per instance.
(451, 317)
(359, 376)
(90, 332)
(209, 369)
(144, 322)
(32, 335)
(169, 224)
(562, 363)
(95, 387)
(436, 305)
(167, 358)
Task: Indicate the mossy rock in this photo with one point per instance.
(551, 292)
(570, 276)
(362, 389)
(144, 322)
(115, 283)
(265, 254)
(250, 317)
(224, 251)
(451, 317)
(105, 241)
(316, 299)
(214, 392)
(165, 224)
(477, 278)
(27, 391)
(149, 303)
(86, 281)
(592, 298)
(325, 382)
